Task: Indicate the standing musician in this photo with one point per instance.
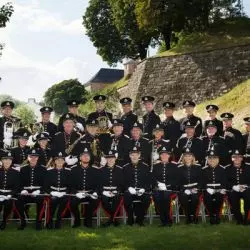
(246, 139)
(111, 187)
(232, 136)
(212, 141)
(157, 143)
(8, 125)
(9, 186)
(165, 181)
(32, 183)
(103, 117)
(137, 140)
(44, 148)
(57, 184)
(128, 118)
(189, 184)
(188, 107)
(238, 175)
(212, 112)
(73, 110)
(117, 142)
(137, 182)
(189, 140)
(214, 182)
(20, 153)
(46, 124)
(85, 188)
(66, 140)
(172, 130)
(150, 119)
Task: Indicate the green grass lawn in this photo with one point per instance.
(203, 236)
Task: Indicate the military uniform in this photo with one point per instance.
(214, 182)
(32, 184)
(57, 184)
(20, 154)
(164, 184)
(189, 183)
(84, 180)
(9, 188)
(246, 142)
(149, 121)
(218, 124)
(128, 120)
(236, 177)
(139, 179)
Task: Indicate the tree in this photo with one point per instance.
(58, 95)
(5, 13)
(113, 29)
(26, 114)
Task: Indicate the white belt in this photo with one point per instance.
(83, 191)
(32, 187)
(110, 188)
(58, 189)
(214, 185)
(5, 190)
(191, 185)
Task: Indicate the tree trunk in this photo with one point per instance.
(167, 33)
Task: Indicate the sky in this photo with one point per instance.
(45, 43)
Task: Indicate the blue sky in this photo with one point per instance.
(45, 43)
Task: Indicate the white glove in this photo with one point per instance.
(80, 195)
(80, 126)
(53, 193)
(223, 191)
(7, 141)
(94, 196)
(107, 193)
(71, 160)
(187, 192)
(8, 197)
(141, 192)
(132, 190)
(2, 198)
(37, 192)
(194, 190)
(103, 161)
(162, 186)
(210, 191)
(109, 124)
(236, 188)
(24, 192)
(60, 194)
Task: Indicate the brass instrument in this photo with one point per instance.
(210, 147)
(70, 148)
(154, 155)
(187, 145)
(104, 124)
(95, 149)
(37, 128)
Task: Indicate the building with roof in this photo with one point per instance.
(103, 78)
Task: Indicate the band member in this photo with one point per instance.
(111, 187)
(212, 112)
(46, 124)
(85, 186)
(214, 182)
(103, 117)
(165, 183)
(43, 147)
(188, 107)
(172, 130)
(150, 119)
(116, 141)
(8, 125)
(20, 153)
(212, 141)
(246, 138)
(137, 140)
(9, 186)
(128, 118)
(73, 110)
(57, 184)
(66, 140)
(238, 175)
(157, 143)
(189, 184)
(189, 140)
(137, 182)
(32, 182)
(232, 136)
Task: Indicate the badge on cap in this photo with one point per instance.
(125, 100)
(188, 123)
(163, 148)
(135, 124)
(226, 115)
(93, 122)
(110, 152)
(157, 126)
(67, 116)
(167, 105)
(9, 154)
(74, 103)
(212, 153)
(42, 135)
(46, 109)
(25, 134)
(100, 98)
(60, 154)
(7, 103)
(237, 151)
(86, 150)
(188, 150)
(135, 148)
(33, 151)
(115, 121)
(186, 103)
(145, 98)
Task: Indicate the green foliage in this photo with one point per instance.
(25, 113)
(58, 95)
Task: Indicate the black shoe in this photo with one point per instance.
(38, 226)
(212, 220)
(76, 225)
(2, 226)
(107, 223)
(116, 223)
(195, 220)
(58, 224)
(49, 226)
(22, 225)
